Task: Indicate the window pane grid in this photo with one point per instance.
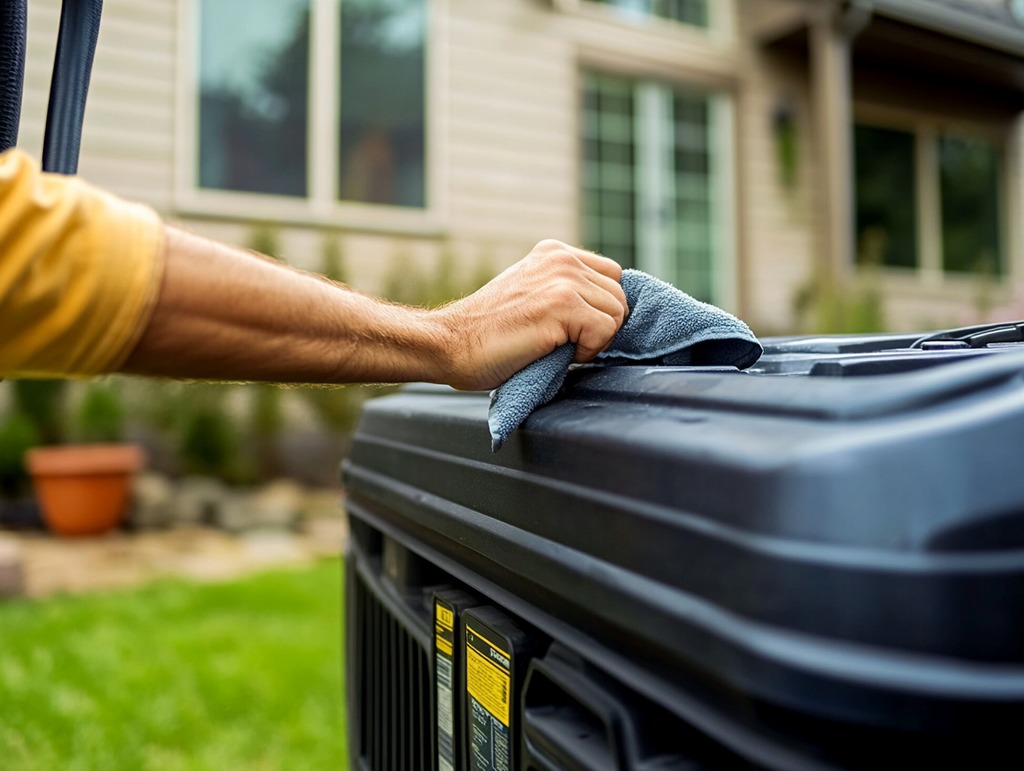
(692, 195)
(647, 179)
(609, 168)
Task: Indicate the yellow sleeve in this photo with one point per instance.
(80, 272)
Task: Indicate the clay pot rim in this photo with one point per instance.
(65, 459)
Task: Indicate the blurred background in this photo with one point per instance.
(810, 165)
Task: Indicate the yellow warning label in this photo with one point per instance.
(445, 617)
(489, 684)
(443, 645)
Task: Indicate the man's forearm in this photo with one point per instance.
(223, 313)
(226, 314)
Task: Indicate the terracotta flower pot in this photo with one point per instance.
(83, 489)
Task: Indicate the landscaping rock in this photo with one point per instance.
(235, 513)
(12, 572)
(322, 504)
(152, 501)
(276, 506)
(198, 501)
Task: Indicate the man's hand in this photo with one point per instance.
(557, 294)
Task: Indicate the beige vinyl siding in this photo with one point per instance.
(511, 121)
(777, 241)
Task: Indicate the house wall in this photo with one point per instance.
(504, 84)
(504, 147)
(778, 234)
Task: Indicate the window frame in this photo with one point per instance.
(321, 206)
(722, 198)
(926, 130)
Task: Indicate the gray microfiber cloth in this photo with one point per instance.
(664, 326)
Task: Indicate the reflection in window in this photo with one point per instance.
(687, 11)
(253, 83)
(885, 197)
(381, 141)
(969, 179)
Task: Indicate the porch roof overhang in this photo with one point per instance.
(973, 46)
(992, 27)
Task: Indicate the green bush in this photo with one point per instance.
(17, 435)
(42, 402)
(100, 415)
(210, 440)
(824, 307)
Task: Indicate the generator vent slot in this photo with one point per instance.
(393, 694)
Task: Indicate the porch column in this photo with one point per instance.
(831, 33)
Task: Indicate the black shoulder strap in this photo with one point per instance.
(12, 69)
(72, 66)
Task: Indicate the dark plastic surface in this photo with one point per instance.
(13, 14)
(797, 569)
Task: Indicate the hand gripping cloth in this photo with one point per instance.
(664, 326)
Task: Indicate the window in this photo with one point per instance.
(908, 179)
(650, 178)
(253, 89)
(687, 11)
(257, 88)
(886, 197)
(969, 187)
(383, 112)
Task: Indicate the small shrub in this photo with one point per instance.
(100, 415)
(210, 442)
(332, 257)
(42, 402)
(824, 307)
(265, 239)
(17, 435)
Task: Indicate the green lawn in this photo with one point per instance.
(241, 675)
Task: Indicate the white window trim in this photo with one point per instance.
(320, 207)
(721, 19)
(724, 220)
(926, 130)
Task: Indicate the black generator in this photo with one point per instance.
(817, 563)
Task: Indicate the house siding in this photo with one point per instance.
(778, 231)
(511, 117)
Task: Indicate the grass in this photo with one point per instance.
(240, 675)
